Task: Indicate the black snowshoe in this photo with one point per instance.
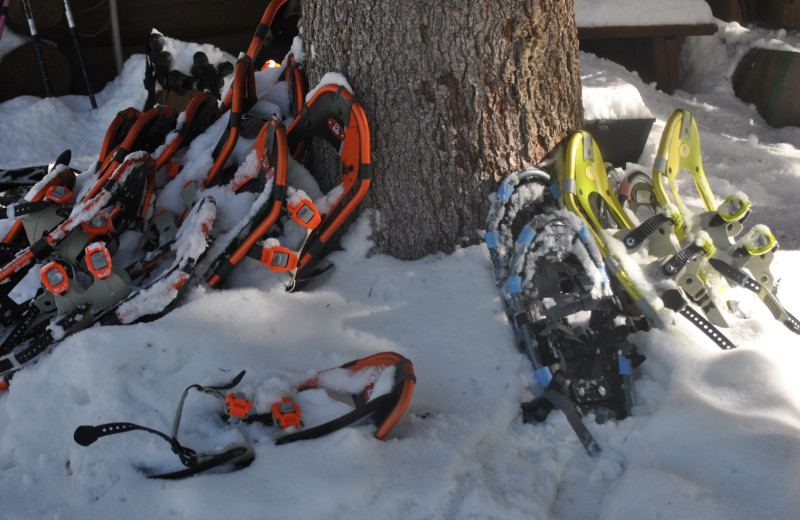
(559, 300)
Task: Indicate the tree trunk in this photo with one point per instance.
(458, 94)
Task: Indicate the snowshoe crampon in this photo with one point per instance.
(380, 387)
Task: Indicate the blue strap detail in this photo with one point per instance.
(491, 238)
(514, 284)
(624, 365)
(603, 273)
(543, 376)
(555, 191)
(583, 233)
(526, 236)
(504, 192)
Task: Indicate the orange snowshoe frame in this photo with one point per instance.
(272, 152)
(334, 114)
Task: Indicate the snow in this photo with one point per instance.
(606, 13)
(715, 435)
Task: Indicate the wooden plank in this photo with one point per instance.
(645, 31)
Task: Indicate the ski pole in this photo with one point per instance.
(3, 14)
(74, 32)
(37, 45)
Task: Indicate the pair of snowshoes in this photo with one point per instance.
(560, 302)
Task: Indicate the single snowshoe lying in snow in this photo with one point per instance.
(379, 386)
(559, 300)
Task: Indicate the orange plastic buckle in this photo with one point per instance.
(172, 168)
(236, 405)
(98, 260)
(99, 224)
(304, 213)
(58, 194)
(279, 259)
(286, 413)
(54, 278)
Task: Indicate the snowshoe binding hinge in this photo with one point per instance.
(285, 415)
(551, 275)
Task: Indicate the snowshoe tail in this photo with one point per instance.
(24, 178)
(334, 114)
(272, 151)
(519, 197)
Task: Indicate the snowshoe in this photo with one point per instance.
(558, 298)
(380, 386)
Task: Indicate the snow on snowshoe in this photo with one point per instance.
(519, 197)
(379, 386)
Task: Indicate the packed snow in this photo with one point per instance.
(715, 435)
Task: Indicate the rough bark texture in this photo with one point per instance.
(458, 94)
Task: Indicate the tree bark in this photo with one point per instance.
(458, 93)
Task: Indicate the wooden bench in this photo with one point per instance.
(664, 41)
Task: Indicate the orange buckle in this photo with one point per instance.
(286, 413)
(98, 260)
(279, 259)
(304, 213)
(54, 278)
(58, 194)
(99, 224)
(172, 168)
(236, 405)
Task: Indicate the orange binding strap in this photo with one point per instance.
(286, 413)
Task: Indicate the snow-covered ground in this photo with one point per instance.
(715, 435)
